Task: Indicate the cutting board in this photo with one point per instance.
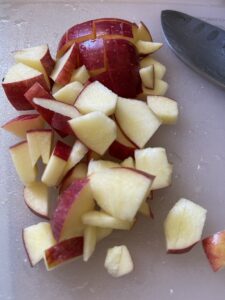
(195, 146)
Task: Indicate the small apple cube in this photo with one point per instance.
(90, 240)
(80, 74)
(147, 76)
(69, 93)
(159, 69)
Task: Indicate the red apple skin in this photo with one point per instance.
(64, 251)
(214, 247)
(120, 151)
(180, 251)
(113, 27)
(62, 150)
(15, 91)
(61, 125)
(48, 62)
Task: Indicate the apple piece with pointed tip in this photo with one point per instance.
(64, 66)
(96, 97)
(69, 93)
(183, 226)
(36, 198)
(101, 165)
(104, 220)
(54, 170)
(145, 47)
(118, 261)
(164, 108)
(39, 58)
(40, 144)
(74, 202)
(102, 233)
(64, 251)
(37, 238)
(20, 125)
(22, 162)
(159, 69)
(95, 130)
(136, 120)
(90, 240)
(143, 33)
(147, 76)
(19, 79)
(154, 161)
(128, 163)
(120, 191)
(214, 246)
(80, 74)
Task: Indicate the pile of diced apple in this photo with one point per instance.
(105, 173)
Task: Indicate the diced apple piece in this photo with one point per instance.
(22, 162)
(160, 88)
(37, 238)
(154, 161)
(36, 198)
(102, 233)
(37, 91)
(80, 74)
(183, 226)
(147, 76)
(95, 130)
(118, 261)
(68, 93)
(73, 203)
(143, 33)
(159, 69)
(90, 240)
(64, 66)
(136, 120)
(19, 79)
(145, 47)
(214, 249)
(145, 209)
(128, 163)
(54, 170)
(103, 220)
(40, 143)
(65, 251)
(38, 58)
(20, 125)
(96, 97)
(101, 165)
(120, 191)
(165, 108)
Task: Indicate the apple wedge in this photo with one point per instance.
(62, 252)
(73, 203)
(154, 161)
(20, 125)
(118, 261)
(96, 97)
(102, 233)
(183, 226)
(69, 93)
(40, 144)
(54, 170)
(101, 165)
(36, 198)
(160, 88)
(95, 130)
(64, 66)
(159, 69)
(22, 162)
(80, 74)
(164, 108)
(143, 33)
(104, 220)
(147, 76)
(136, 120)
(37, 238)
(146, 47)
(214, 249)
(18, 81)
(120, 191)
(128, 163)
(38, 58)
(90, 240)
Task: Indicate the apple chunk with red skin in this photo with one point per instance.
(76, 200)
(214, 247)
(183, 226)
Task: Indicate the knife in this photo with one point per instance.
(197, 43)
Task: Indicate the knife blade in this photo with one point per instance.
(197, 43)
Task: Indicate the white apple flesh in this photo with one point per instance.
(90, 240)
(69, 93)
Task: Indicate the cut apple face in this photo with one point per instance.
(95, 130)
(38, 58)
(37, 238)
(147, 76)
(214, 249)
(128, 163)
(90, 240)
(69, 93)
(164, 108)
(20, 125)
(81, 75)
(120, 191)
(36, 198)
(160, 88)
(145, 47)
(183, 226)
(65, 251)
(100, 165)
(154, 161)
(22, 162)
(136, 120)
(159, 69)
(19, 79)
(118, 261)
(143, 33)
(40, 144)
(73, 203)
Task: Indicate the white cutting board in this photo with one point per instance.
(196, 146)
